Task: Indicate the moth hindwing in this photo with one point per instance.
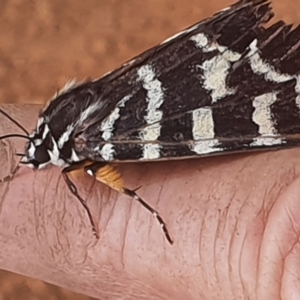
(224, 85)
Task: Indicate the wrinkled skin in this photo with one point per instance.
(234, 220)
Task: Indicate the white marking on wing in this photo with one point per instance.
(65, 136)
(87, 112)
(107, 152)
(263, 118)
(107, 125)
(216, 70)
(205, 147)
(46, 131)
(151, 132)
(155, 98)
(151, 151)
(259, 66)
(297, 89)
(155, 93)
(203, 124)
(201, 40)
(203, 132)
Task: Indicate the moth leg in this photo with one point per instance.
(12, 174)
(106, 174)
(73, 190)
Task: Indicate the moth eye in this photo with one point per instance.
(41, 155)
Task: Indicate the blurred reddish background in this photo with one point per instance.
(44, 43)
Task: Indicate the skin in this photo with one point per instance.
(234, 221)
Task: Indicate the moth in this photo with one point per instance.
(224, 85)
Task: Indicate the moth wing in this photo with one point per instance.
(224, 85)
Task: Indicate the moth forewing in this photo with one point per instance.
(224, 85)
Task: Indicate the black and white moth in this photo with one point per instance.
(224, 85)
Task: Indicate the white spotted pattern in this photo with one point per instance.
(107, 125)
(155, 94)
(107, 152)
(297, 89)
(216, 69)
(203, 132)
(151, 151)
(65, 136)
(206, 147)
(88, 111)
(155, 98)
(263, 118)
(151, 132)
(258, 66)
(203, 124)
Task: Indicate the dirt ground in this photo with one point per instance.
(44, 43)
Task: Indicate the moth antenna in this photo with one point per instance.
(15, 135)
(24, 162)
(14, 121)
(20, 154)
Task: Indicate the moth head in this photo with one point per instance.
(41, 150)
(36, 154)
